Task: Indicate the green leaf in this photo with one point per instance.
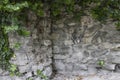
(101, 62)
(5, 1)
(17, 45)
(24, 32)
(68, 1)
(10, 28)
(40, 12)
(12, 74)
(56, 12)
(39, 73)
(25, 4)
(13, 68)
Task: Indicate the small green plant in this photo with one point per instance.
(24, 32)
(101, 63)
(17, 45)
(117, 26)
(29, 78)
(13, 69)
(40, 74)
(10, 28)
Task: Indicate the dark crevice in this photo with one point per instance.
(54, 70)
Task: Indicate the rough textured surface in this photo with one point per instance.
(34, 54)
(69, 49)
(81, 46)
(102, 75)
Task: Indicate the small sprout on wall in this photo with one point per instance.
(24, 32)
(101, 63)
(14, 70)
(29, 78)
(17, 45)
(40, 74)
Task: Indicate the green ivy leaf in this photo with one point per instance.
(40, 12)
(68, 1)
(24, 32)
(13, 68)
(5, 1)
(56, 12)
(10, 28)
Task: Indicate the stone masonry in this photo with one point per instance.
(66, 47)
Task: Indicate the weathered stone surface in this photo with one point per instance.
(22, 59)
(60, 65)
(68, 42)
(56, 49)
(61, 25)
(34, 53)
(5, 78)
(86, 54)
(36, 67)
(107, 45)
(47, 42)
(55, 36)
(72, 24)
(68, 46)
(110, 67)
(92, 69)
(98, 53)
(23, 69)
(47, 71)
(38, 78)
(28, 74)
(69, 67)
(116, 60)
(78, 67)
(61, 56)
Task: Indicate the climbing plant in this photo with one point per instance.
(8, 23)
(11, 12)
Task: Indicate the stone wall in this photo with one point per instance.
(35, 51)
(81, 47)
(65, 47)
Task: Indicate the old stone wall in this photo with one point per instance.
(65, 47)
(35, 51)
(81, 47)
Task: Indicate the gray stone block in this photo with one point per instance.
(48, 71)
(69, 67)
(28, 74)
(79, 67)
(110, 67)
(56, 49)
(59, 65)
